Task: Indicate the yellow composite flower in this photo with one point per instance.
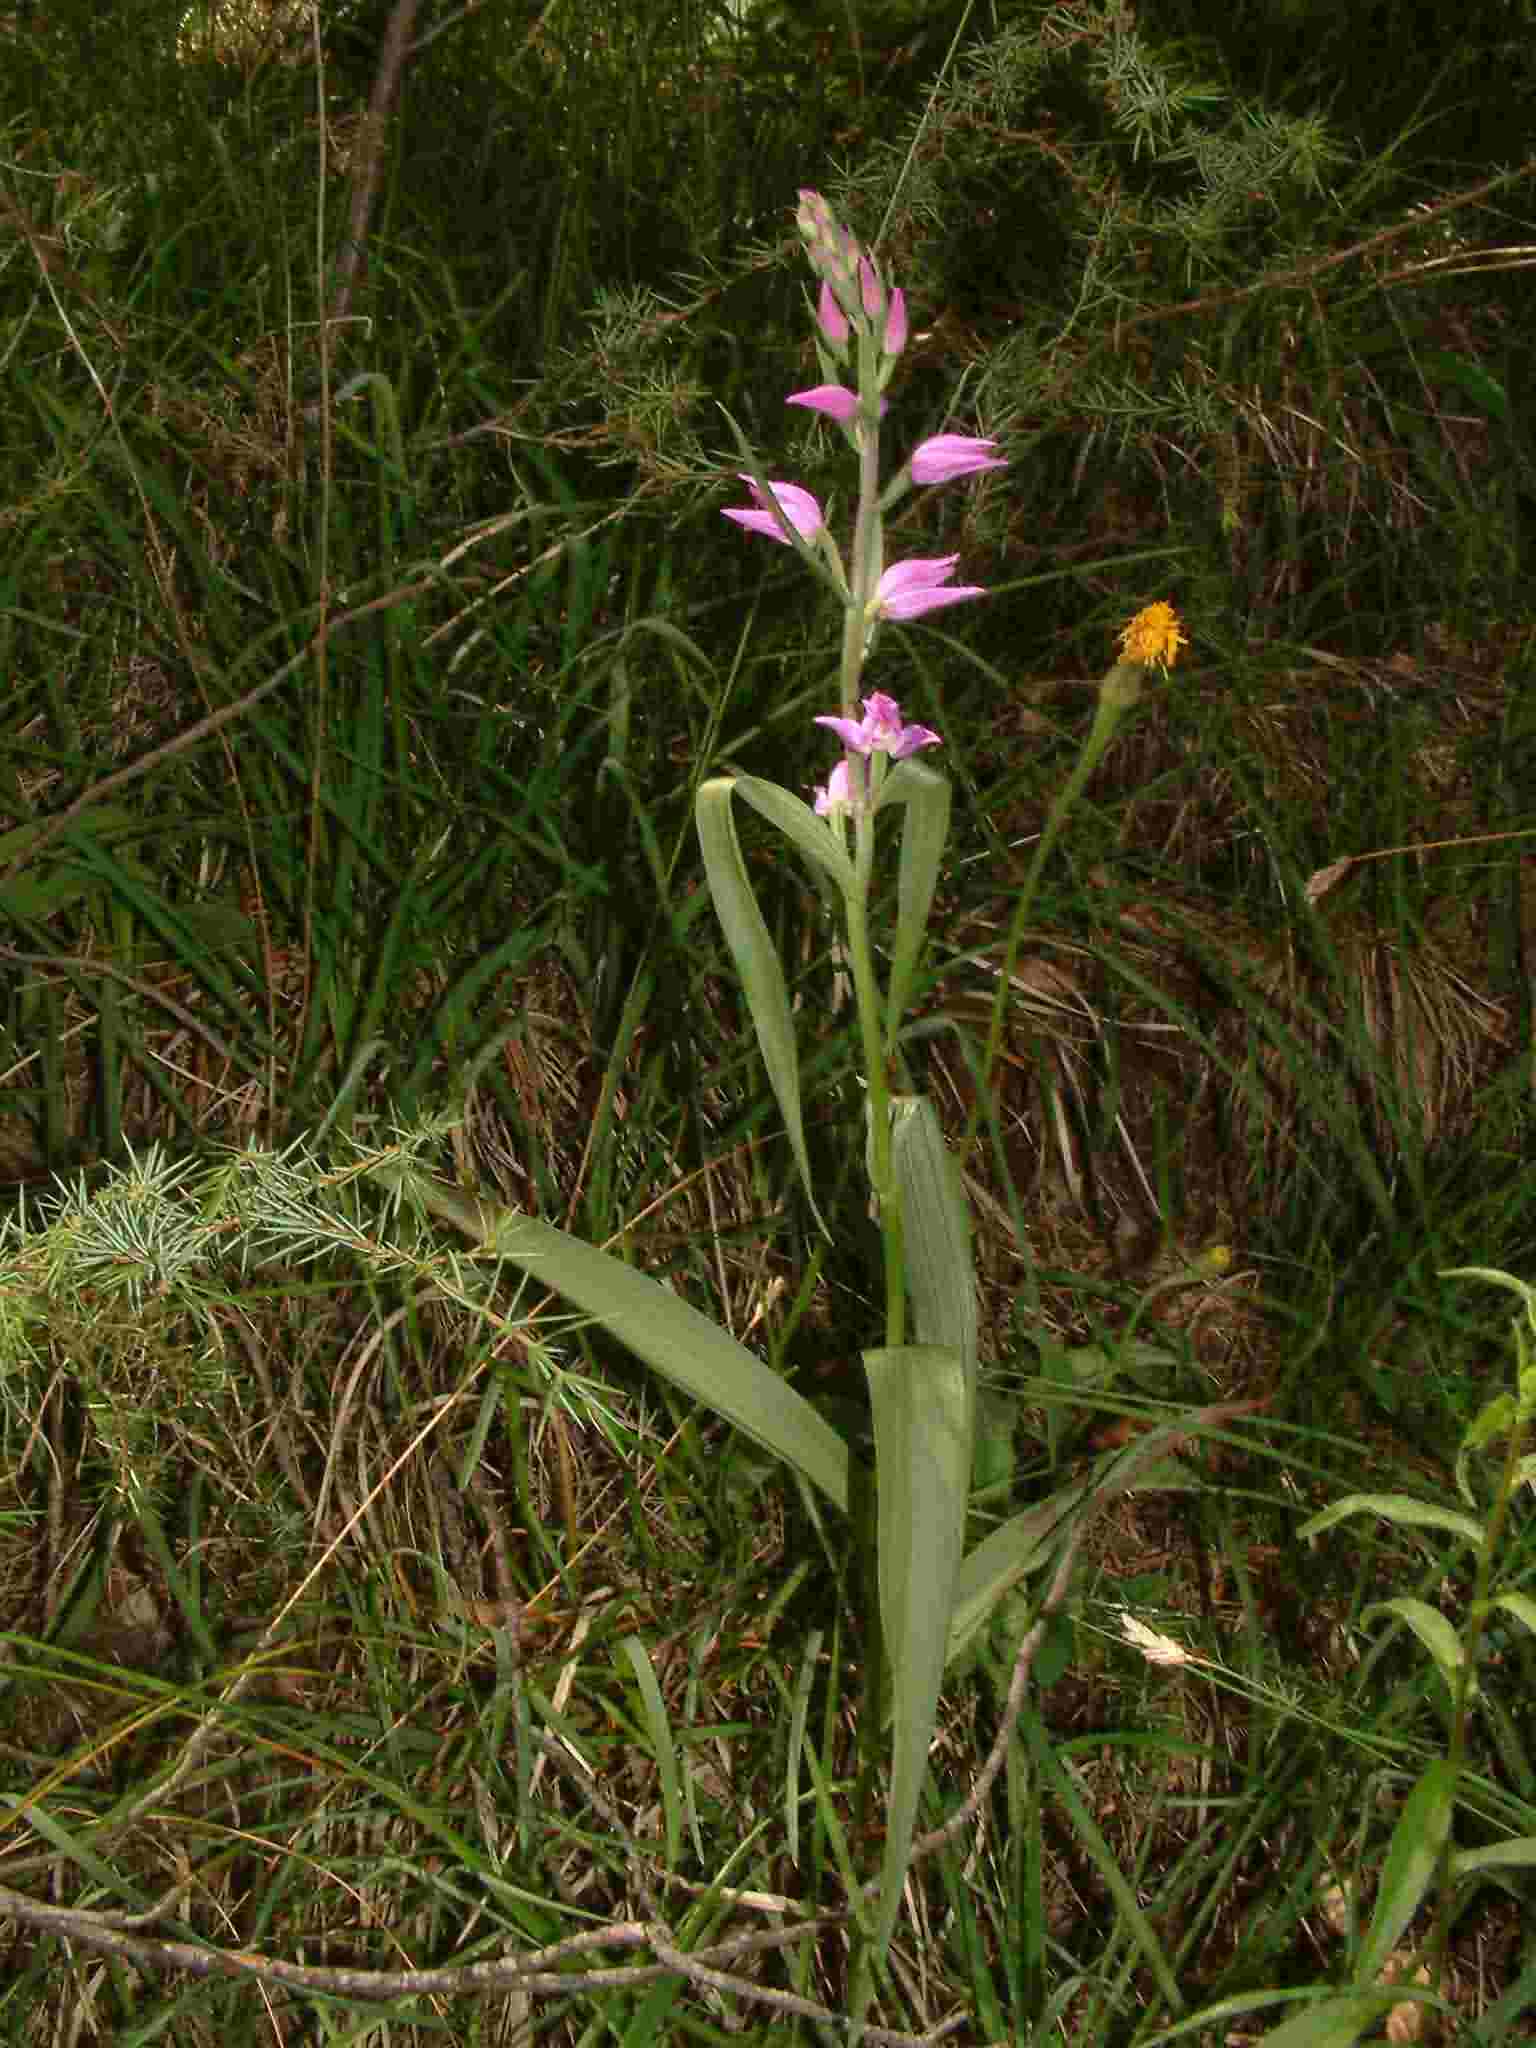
(1153, 637)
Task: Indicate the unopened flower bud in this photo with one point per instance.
(894, 339)
(831, 317)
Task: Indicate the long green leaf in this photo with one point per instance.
(1335, 2022)
(1430, 1626)
(1519, 1853)
(664, 1331)
(32, 899)
(809, 835)
(920, 1398)
(1399, 1508)
(991, 1571)
(1423, 1828)
(1061, 1778)
(941, 1276)
(925, 829)
(756, 957)
(1520, 1605)
(799, 1711)
(663, 1743)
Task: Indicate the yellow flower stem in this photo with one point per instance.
(1118, 693)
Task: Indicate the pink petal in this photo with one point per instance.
(908, 589)
(832, 399)
(849, 731)
(837, 792)
(797, 505)
(943, 456)
(911, 738)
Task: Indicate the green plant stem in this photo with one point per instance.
(877, 1099)
(1119, 692)
(1466, 1694)
(867, 543)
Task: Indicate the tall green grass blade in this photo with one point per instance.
(181, 1588)
(1134, 1924)
(799, 1711)
(80, 1853)
(663, 1744)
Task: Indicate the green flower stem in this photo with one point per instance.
(853, 644)
(867, 546)
(866, 566)
(877, 1089)
(1119, 692)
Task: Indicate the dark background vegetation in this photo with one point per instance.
(1246, 294)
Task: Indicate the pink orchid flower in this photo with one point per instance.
(908, 589)
(798, 507)
(879, 731)
(944, 456)
(837, 794)
(834, 400)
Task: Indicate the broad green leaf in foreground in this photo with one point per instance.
(941, 1273)
(921, 1403)
(1422, 1830)
(669, 1335)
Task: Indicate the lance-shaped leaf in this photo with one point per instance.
(660, 1328)
(752, 948)
(991, 1571)
(1413, 1856)
(924, 833)
(812, 837)
(921, 1406)
(1432, 1629)
(936, 1234)
(1400, 1508)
